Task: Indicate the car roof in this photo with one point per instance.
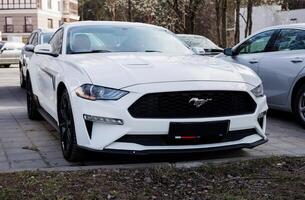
(45, 30)
(14, 43)
(295, 26)
(112, 23)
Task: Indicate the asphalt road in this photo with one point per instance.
(26, 144)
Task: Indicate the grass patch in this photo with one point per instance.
(272, 178)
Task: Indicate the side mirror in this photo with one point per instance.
(3, 49)
(228, 52)
(198, 50)
(29, 48)
(45, 49)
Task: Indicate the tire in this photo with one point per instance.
(22, 79)
(299, 106)
(32, 106)
(7, 66)
(70, 150)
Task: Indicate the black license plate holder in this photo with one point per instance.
(197, 131)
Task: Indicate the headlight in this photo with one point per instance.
(258, 91)
(93, 92)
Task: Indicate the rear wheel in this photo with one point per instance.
(69, 146)
(32, 106)
(299, 105)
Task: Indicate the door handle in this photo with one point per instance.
(253, 61)
(297, 60)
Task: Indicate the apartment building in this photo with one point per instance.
(18, 18)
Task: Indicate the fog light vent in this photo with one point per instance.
(104, 120)
(260, 119)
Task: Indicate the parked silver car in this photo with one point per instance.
(192, 41)
(277, 55)
(10, 53)
(38, 36)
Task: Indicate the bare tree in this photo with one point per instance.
(218, 15)
(186, 11)
(129, 11)
(237, 25)
(224, 23)
(249, 22)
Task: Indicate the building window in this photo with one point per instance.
(18, 4)
(50, 23)
(49, 4)
(28, 25)
(9, 27)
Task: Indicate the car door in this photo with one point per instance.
(251, 51)
(48, 72)
(280, 66)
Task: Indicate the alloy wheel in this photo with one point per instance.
(66, 125)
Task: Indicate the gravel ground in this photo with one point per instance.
(272, 178)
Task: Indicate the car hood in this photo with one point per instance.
(119, 70)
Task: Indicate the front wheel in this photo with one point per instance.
(299, 105)
(22, 79)
(69, 146)
(32, 106)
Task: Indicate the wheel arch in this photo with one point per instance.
(295, 89)
(60, 88)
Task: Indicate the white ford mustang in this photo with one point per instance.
(135, 88)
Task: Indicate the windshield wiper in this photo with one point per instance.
(93, 51)
(151, 51)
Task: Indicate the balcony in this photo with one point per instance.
(9, 28)
(28, 28)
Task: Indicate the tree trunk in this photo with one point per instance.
(237, 25)
(217, 10)
(224, 24)
(129, 11)
(249, 23)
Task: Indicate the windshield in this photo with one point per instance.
(102, 38)
(1, 44)
(198, 41)
(45, 37)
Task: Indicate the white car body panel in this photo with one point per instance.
(140, 74)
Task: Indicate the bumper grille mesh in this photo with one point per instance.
(178, 105)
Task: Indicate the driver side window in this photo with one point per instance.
(56, 41)
(256, 44)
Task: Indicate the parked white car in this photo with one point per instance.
(141, 90)
(277, 55)
(10, 53)
(39, 36)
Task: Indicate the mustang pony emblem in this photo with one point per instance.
(199, 102)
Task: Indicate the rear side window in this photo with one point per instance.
(45, 37)
(289, 39)
(256, 44)
(31, 38)
(35, 39)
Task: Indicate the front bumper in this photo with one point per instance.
(107, 137)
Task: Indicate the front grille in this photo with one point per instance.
(178, 105)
